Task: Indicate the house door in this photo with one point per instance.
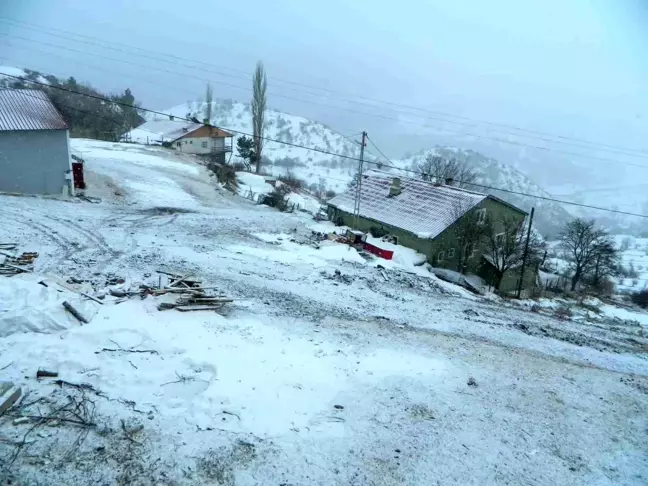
(77, 174)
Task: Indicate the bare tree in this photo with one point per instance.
(582, 243)
(468, 230)
(504, 243)
(441, 169)
(606, 263)
(208, 103)
(259, 85)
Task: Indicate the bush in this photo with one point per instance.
(330, 194)
(378, 231)
(563, 313)
(640, 298)
(292, 181)
(226, 174)
(239, 167)
(278, 199)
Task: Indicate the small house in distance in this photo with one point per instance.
(184, 136)
(423, 215)
(34, 145)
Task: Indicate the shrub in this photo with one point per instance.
(563, 312)
(278, 199)
(226, 174)
(640, 298)
(330, 194)
(292, 181)
(239, 167)
(378, 231)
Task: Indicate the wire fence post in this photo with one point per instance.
(356, 206)
(524, 256)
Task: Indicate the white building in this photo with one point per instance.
(184, 136)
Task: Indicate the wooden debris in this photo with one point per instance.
(46, 374)
(9, 394)
(13, 265)
(74, 312)
(91, 298)
(190, 308)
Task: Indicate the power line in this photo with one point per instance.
(502, 127)
(380, 152)
(375, 115)
(508, 191)
(326, 152)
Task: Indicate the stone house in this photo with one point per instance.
(423, 215)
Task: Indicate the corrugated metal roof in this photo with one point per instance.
(163, 130)
(421, 208)
(28, 109)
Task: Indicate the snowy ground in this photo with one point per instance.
(311, 376)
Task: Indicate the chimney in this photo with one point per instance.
(205, 121)
(449, 181)
(171, 117)
(395, 188)
(185, 129)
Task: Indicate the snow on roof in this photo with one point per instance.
(162, 130)
(421, 208)
(28, 109)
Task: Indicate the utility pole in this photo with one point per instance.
(524, 256)
(356, 206)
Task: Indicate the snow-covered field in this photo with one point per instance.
(362, 376)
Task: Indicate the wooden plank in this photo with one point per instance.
(191, 308)
(9, 394)
(74, 312)
(26, 270)
(179, 281)
(91, 298)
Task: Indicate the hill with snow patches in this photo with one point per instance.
(322, 169)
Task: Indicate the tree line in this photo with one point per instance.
(86, 117)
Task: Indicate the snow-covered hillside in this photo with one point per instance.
(314, 167)
(324, 170)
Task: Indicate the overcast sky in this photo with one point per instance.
(572, 67)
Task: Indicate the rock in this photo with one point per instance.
(9, 394)
(338, 407)
(472, 382)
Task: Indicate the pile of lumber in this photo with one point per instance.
(192, 295)
(12, 264)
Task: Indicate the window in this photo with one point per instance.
(178, 144)
(191, 142)
(203, 144)
(481, 215)
(451, 253)
(471, 251)
(441, 256)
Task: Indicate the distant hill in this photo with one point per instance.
(86, 117)
(549, 216)
(312, 166)
(319, 169)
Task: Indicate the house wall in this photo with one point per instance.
(199, 145)
(34, 161)
(445, 242)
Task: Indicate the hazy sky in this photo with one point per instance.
(573, 67)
